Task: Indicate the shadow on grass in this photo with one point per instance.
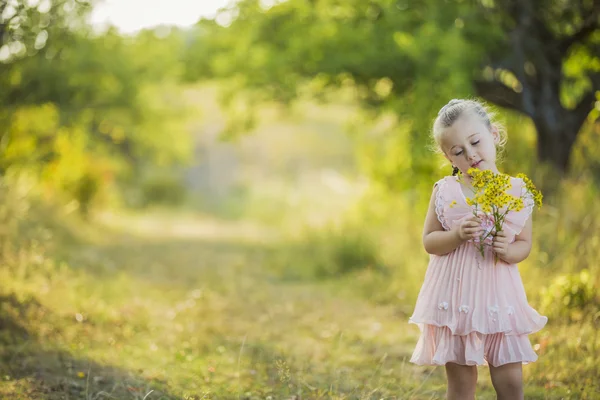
(31, 369)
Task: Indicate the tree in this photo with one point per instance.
(82, 109)
(551, 48)
(99, 84)
(411, 57)
(25, 26)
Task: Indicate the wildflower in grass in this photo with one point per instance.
(283, 370)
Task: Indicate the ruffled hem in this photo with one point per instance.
(438, 346)
(458, 294)
(504, 326)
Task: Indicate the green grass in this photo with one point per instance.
(178, 307)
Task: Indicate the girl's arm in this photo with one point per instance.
(517, 251)
(438, 241)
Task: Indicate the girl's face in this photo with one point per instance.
(469, 143)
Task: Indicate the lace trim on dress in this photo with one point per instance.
(439, 203)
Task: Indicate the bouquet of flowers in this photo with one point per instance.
(491, 201)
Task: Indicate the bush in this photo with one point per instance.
(85, 191)
(572, 296)
(330, 252)
(166, 191)
(31, 226)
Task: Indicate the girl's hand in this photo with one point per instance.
(469, 228)
(500, 244)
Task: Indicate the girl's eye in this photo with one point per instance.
(473, 144)
(458, 154)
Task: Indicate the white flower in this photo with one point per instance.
(493, 310)
(443, 305)
(510, 310)
(464, 308)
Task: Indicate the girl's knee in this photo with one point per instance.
(461, 376)
(508, 381)
(509, 388)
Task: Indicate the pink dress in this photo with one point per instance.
(470, 311)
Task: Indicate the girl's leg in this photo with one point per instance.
(508, 381)
(462, 380)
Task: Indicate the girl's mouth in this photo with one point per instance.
(476, 164)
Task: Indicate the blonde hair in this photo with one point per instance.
(448, 115)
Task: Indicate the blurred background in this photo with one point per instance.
(221, 199)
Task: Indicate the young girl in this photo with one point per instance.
(470, 310)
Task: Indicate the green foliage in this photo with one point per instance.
(85, 191)
(329, 252)
(15, 216)
(163, 190)
(405, 58)
(209, 41)
(26, 27)
(382, 51)
(31, 225)
(87, 112)
(572, 296)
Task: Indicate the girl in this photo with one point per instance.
(471, 311)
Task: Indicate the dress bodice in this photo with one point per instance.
(451, 206)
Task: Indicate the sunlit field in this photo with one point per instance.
(235, 210)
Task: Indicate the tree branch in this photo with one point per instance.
(589, 25)
(500, 94)
(588, 101)
(586, 104)
(3, 24)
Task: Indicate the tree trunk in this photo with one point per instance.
(554, 144)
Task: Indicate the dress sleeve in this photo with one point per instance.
(516, 220)
(440, 200)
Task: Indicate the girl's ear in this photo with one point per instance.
(447, 158)
(495, 134)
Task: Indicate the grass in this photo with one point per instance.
(186, 316)
(152, 307)
(180, 305)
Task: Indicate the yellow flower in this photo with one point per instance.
(491, 196)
